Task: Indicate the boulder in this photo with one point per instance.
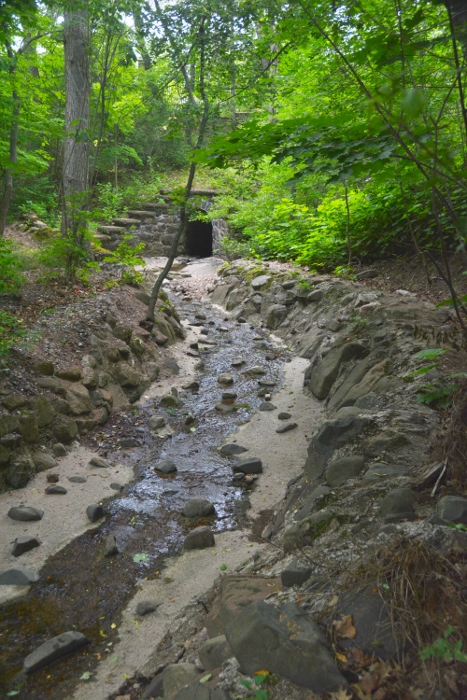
(28, 427)
(54, 649)
(235, 593)
(340, 470)
(295, 574)
(65, 429)
(198, 508)
(286, 642)
(20, 469)
(275, 316)
(176, 676)
(42, 409)
(25, 513)
(199, 538)
(398, 504)
(304, 532)
(248, 465)
(45, 367)
(323, 372)
(71, 374)
(126, 376)
(18, 577)
(261, 281)
(21, 545)
(331, 436)
(225, 379)
(214, 652)
(59, 450)
(453, 509)
(43, 461)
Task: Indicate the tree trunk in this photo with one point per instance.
(75, 175)
(13, 147)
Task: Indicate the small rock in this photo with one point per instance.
(229, 396)
(43, 461)
(156, 422)
(22, 545)
(128, 442)
(116, 486)
(232, 449)
(172, 365)
(251, 478)
(260, 281)
(53, 478)
(224, 408)
(225, 378)
(95, 512)
(18, 577)
(144, 607)
(241, 319)
(267, 383)
(100, 462)
(267, 406)
(198, 508)
(54, 649)
(77, 479)
(56, 490)
(199, 538)
(168, 466)
(25, 513)
(110, 545)
(283, 415)
(72, 374)
(249, 465)
(190, 420)
(238, 362)
(192, 386)
(286, 428)
(170, 400)
(398, 505)
(366, 275)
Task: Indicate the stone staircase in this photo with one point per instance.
(155, 225)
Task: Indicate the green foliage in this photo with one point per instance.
(445, 649)
(256, 691)
(10, 269)
(11, 331)
(66, 258)
(127, 258)
(231, 248)
(437, 397)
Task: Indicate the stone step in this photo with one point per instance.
(155, 206)
(126, 222)
(139, 214)
(111, 230)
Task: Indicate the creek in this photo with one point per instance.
(79, 587)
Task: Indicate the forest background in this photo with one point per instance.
(334, 132)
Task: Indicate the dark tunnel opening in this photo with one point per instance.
(199, 239)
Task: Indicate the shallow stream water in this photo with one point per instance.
(83, 590)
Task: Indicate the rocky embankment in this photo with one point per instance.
(75, 366)
(360, 565)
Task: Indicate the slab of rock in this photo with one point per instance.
(225, 379)
(238, 362)
(295, 574)
(340, 470)
(167, 466)
(198, 508)
(110, 545)
(323, 372)
(287, 642)
(267, 383)
(199, 538)
(18, 577)
(25, 513)
(453, 509)
(232, 449)
(54, 649)
(286, 428)
(145, 607)
(398, 505)
(79, 399)
(304, 532)
(255, 371)
(77, 479)
(235, 593)
(71, 374)
(248, 465)
(275, 315)
(260, 281)
(214, 652)
(176, 676)
(56, 490)
(100, 462)
(21, 545)
(95, 512)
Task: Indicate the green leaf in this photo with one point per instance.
(12, 693)
(85, 676)
(206, 678)
(430, 353)
(223, 567)
(142, 556)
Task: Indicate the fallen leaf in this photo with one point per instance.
(342, 658)
(86, 676)
(206, 678)
(113, 625)
(341, 694)
(344, 627)
(333, 601)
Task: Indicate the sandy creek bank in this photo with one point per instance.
(186, 576)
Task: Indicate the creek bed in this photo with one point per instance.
(83, 590)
